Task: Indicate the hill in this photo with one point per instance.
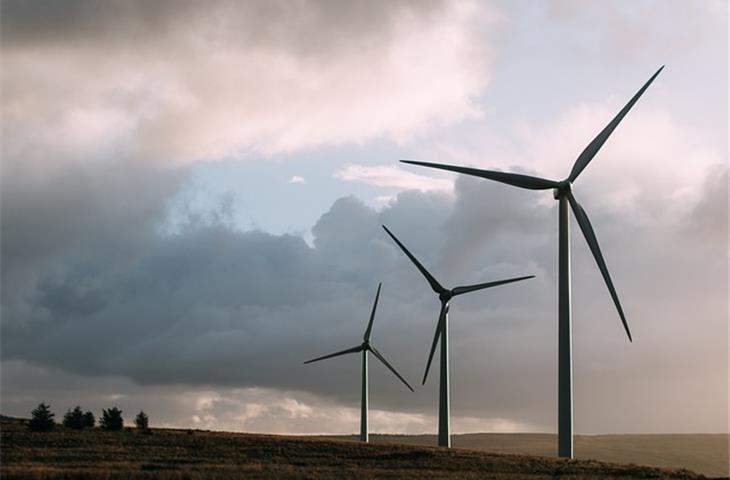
(177, 454)
(704, 453)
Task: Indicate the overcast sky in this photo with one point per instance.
(192, 195)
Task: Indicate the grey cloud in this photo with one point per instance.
(710, 216)
(176, 82)
(94, 281)
(211, 306)
(179, 406)
(309, 28)
(623, 31)
(62, 227)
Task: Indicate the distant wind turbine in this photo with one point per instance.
(365, 347)
(442, 331)
(562, 191)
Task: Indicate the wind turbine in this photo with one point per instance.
(442, 331)
(562, 191)
(365, 347)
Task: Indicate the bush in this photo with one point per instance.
(74, 419)
(142, 421)
(41, 419)
(89, 420)
(111, 419)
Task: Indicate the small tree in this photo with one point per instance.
(89, 420)
(111, 419)
(74, 418)
(41, 418)
(142, 421)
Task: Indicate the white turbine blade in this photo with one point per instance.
(435, 285)
(590, 236)
(592, 149)
(437, 334)
(336, 354)
(480, 286)
(514, 179)
(385, 362)
(366, 337)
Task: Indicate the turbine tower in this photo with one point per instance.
(442, 331)
(365, 347)
(562, 191)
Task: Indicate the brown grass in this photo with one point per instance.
(175, 454)
(708, 454)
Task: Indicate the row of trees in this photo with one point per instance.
(41, 419)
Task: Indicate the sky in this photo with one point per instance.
(192, 195)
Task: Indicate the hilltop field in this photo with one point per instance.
(186, 454)
(704, 453)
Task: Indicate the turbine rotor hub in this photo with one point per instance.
(445, 296)
(563, 188)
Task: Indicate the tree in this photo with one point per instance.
(74, 418)
(89, 420)
(41, 418)
(111, 419)
(142, 421)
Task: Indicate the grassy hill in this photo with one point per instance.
(178, 454)
(704, 453)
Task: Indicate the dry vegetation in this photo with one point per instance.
(179, 454)
(708, 454)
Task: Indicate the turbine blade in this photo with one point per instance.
(439, 326)
(366, 337)
(385, 362)
(336, 354)
(470, 288)
(590, 151)
(590, 236)
(435, 285)
(514, 179)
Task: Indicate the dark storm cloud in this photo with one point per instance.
(95, 278)
(311, 27)
(88, 219)
(210, 305)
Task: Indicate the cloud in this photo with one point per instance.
(392, 176)
(650, 143)
(622, 30)
(172, 82)
(104, 283)
(214, 309)
(230, 409)
(296, 179)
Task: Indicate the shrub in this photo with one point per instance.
(74, 418)
(142, 421)
(41, 419)
(89, 420)
(111, 419)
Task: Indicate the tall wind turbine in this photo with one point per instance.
(442, 331)
(562, 191)
(365, 347)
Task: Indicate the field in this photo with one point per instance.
(181, 454)
(704, 453)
